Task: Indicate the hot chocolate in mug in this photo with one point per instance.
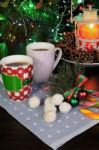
(17, 76)
(44, 60)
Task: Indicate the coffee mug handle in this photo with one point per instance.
(59, 55)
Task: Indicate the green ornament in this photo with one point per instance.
(3, 50)
(74, 102)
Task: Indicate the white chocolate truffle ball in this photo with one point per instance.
(34, 102)
(49, 107)
(50, 116)
(47, 101)
(57, 99)
(65, 107)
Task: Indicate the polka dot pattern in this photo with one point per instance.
(36, 115)
(15, 108)
(50, 125)
(28, 118)
(67, 117)
(75, 122)
(59, 121)
(35, 124)
(29, 109)
(65, 125)
(42, 130)
(21, 113)
(58, 131)
(49, 136)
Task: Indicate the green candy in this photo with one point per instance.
(74, 102)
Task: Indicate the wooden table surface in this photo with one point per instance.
(14, 136)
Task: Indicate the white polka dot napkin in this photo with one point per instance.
(55, 134)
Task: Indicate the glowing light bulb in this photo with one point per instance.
(91, 25)
(57, 17)
(80, 1)
(50, 3)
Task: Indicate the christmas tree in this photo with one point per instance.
(26, 21)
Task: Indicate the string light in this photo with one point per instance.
(80, 1)
(50, 3)
(48, 15)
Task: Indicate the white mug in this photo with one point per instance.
(43, 55)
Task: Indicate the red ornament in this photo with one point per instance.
(82, 95)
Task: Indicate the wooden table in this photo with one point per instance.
(13, 136)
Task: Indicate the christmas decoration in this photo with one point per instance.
(72, 94)
(87, 27)
(27, 21)
(34, 102)
(82, 94)
(74, 102)
(64, 76)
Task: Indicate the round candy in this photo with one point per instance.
(34, 102)
(57, 99)
(50, 116)
(65, 107)
(49, 107)
(74, 102)
(47, 101)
